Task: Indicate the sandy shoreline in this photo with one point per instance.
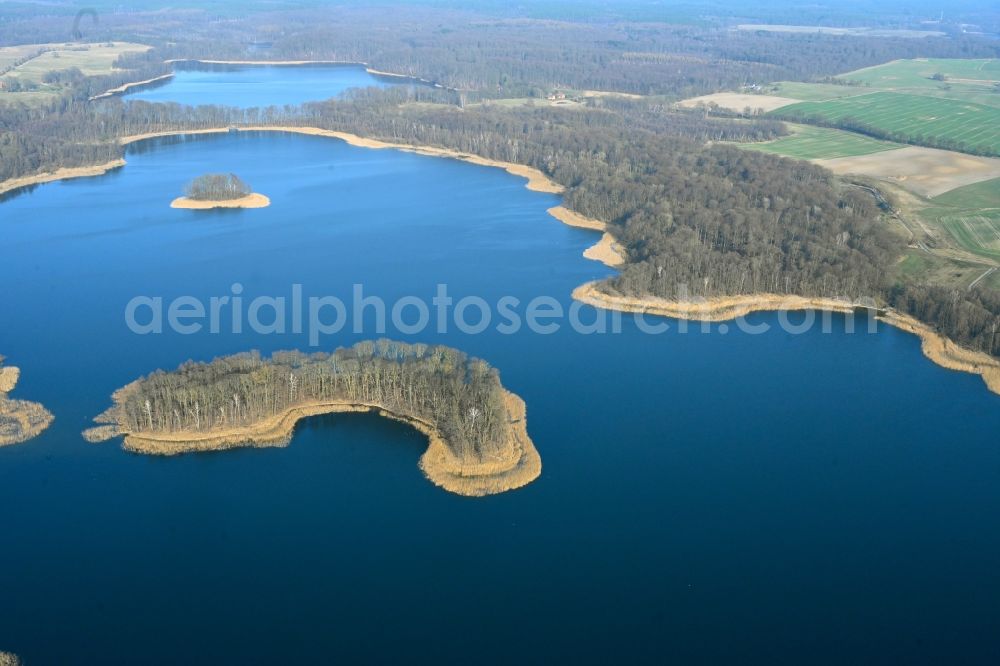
(935, 346)
(946, 353)
(125, 86)
(519, 465)
(263, 63)
(253, 200)
(713, 310)
(292, 63)
(574, 219)
(537, 181)
(64, 173)
(607, 251)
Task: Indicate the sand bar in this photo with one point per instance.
(253, 200)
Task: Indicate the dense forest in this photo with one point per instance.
(494, 56)
(694, 217)
(461, 396)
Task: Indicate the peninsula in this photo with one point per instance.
(477, 435)
(219, 191)
(622, 253)
(20, 420)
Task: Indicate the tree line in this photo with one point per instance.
(691, 214)
(461, 396)
(490, 56)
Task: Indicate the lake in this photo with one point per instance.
(252, 85)
(705, 496)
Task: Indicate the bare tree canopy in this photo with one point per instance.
(217, 187)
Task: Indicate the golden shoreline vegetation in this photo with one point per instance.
(20, 420)
(478, 442)
(937, 348)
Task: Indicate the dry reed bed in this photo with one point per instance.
(518, 465)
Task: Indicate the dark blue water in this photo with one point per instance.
(705, 497)
(249, 86)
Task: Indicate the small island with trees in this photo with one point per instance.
(20, 420)
(478, 441)
(219, 190)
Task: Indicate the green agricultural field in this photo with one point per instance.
(919, 73)
(942, 123)
(967, 80)
(813, 92)
(976, 231)
(809, 143)
(971, 214)
(979, 195)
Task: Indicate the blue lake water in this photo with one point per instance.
(250, 85)
(705, 496)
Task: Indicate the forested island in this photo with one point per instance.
(20, 420)
(219, 190)
(690, 217)
(693, 220)
(478, 440)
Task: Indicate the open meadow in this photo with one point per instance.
(23, 69)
